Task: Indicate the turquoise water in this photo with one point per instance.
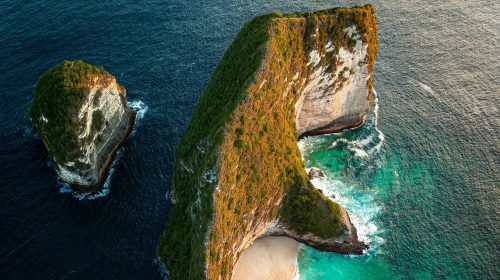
(427, 200)
(369, 176)
(358, 177)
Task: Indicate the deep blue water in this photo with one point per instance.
(437, 77)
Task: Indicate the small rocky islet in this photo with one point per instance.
(82, 116)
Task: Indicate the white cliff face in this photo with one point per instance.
(332, 101)
(98, 142)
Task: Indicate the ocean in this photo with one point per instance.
(421, 177)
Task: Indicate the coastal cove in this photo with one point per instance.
(261, 259)
(425, 197)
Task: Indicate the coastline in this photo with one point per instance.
(329, 129)
(275, 256)
(268, 258)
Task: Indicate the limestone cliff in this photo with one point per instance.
(81, 114)
(239, 173)
(339, 99)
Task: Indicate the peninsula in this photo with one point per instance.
(239, 174)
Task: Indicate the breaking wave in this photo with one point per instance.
(370, 145)
(106, 187)
(357, 148)
(140, 108)
(359, 203)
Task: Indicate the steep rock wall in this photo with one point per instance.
(91, 108)
(97, 143)
(335, 100)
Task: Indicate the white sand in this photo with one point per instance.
(269, 258)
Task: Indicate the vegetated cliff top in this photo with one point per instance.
(58, 95)
(238, 167)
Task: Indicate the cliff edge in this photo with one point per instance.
(239, 173)
(81, 114)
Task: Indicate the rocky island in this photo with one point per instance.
(81, 114)
(239, 174)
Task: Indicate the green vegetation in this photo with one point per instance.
(182, 247)
(306, 210)
(58, 96)
(97, 119)
(97, 96)
(243, 130)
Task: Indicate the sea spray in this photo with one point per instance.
(363, 143)
(347, 158)
(380, 135)
(360, 205)
(106, 187)
(363, 147)
(140, 108)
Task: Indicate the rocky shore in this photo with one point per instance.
(347, 244)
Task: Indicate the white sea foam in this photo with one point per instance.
(336, 142)
(140, 108)
(362, 142)
(359, 152)
(380, 135)
(358, 145)
(296, 275)
(358, 201)
(361, 206)
(425, 87)
(106, 188)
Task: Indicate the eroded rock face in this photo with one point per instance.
(98, 122)
(98, 142)
(335, 100)
(347, 243)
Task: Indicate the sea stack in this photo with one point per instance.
(81, 114)
(239, 173)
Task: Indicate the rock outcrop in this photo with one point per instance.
(347, 243)
(81, 114)
(315, 173)
(239, 173)
(335, 100)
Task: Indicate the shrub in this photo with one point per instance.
(57, 97)
(276, 13)
(239, 143)
(97, 119)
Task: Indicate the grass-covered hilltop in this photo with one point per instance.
(81, 114)
(239, 173)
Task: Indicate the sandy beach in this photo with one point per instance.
(269, 258)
